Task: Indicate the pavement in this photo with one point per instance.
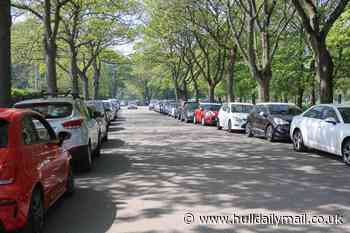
(158, 175)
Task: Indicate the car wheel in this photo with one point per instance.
(87, 160)
(346, 152)
(36, 213)
(249, 130)
(269, 133)
(105, 138)
(218, 126)
(298, 142)
(203, 121)
(97, 151)
(70, 185)
(229, 126)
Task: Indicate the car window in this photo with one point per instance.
(29, 132)
(43, 132)
(211, 107)
(329, 112)
(283, 109)
(3, 133)
(241, 108)
(315, 113)
(345, 114)
(50, 110)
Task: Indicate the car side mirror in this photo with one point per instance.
(63, 136)
(331, 120)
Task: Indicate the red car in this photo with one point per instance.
(207, 114)
(34, 170)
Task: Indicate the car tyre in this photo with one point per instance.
(346, 152)
(36, 213)
(97, 152)
(249, 130)
(218, 126)
(298, 141)
(229, 126)
(70, 185)
(87, 160)
(269, 133)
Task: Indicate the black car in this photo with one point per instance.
(187, 111)
(271, 120)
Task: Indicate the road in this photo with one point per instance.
(155, 169)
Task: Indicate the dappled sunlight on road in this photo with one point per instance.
(150, 176)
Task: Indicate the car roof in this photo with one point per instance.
(46, 100)
(207, 103)
(335, 105)
(238, 103)
(275, 103)
(10, 113)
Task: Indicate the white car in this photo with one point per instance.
(233, 116)
(323, 127)
(72, 115)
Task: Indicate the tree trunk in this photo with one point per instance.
(115, 82)
(196, 90)
(5, 53)
(86, 88)
(264, 88)
(96, 82)
(300, 97)
(231, 75)
(211, 93)
(50, 60)
(324, 72)
(74, 71)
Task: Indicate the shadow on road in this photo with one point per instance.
(88, 211)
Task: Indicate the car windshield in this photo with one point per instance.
(50, 110)
(283, 109)
(345, 114)
(211, 107)
(241, 108)
(99, 106)
(107, 105)
(3, 133)
(191, 106)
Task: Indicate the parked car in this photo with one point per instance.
(100, 115)
(206, 114)
(233, 116)
(187, 111)
(111, 110)
(325, 128)
(34, 170)
(271, 120)
(100, 106)
(173, 109)
(132, 106)
(72, 115)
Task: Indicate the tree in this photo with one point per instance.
(318, 17)
(49, 13)
(5, 53)
(252, 23)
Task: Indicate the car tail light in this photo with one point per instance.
(74, 124)
(7, 173)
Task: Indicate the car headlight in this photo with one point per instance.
(190, 114)
(280, 121)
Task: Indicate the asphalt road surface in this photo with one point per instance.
(156, 169)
